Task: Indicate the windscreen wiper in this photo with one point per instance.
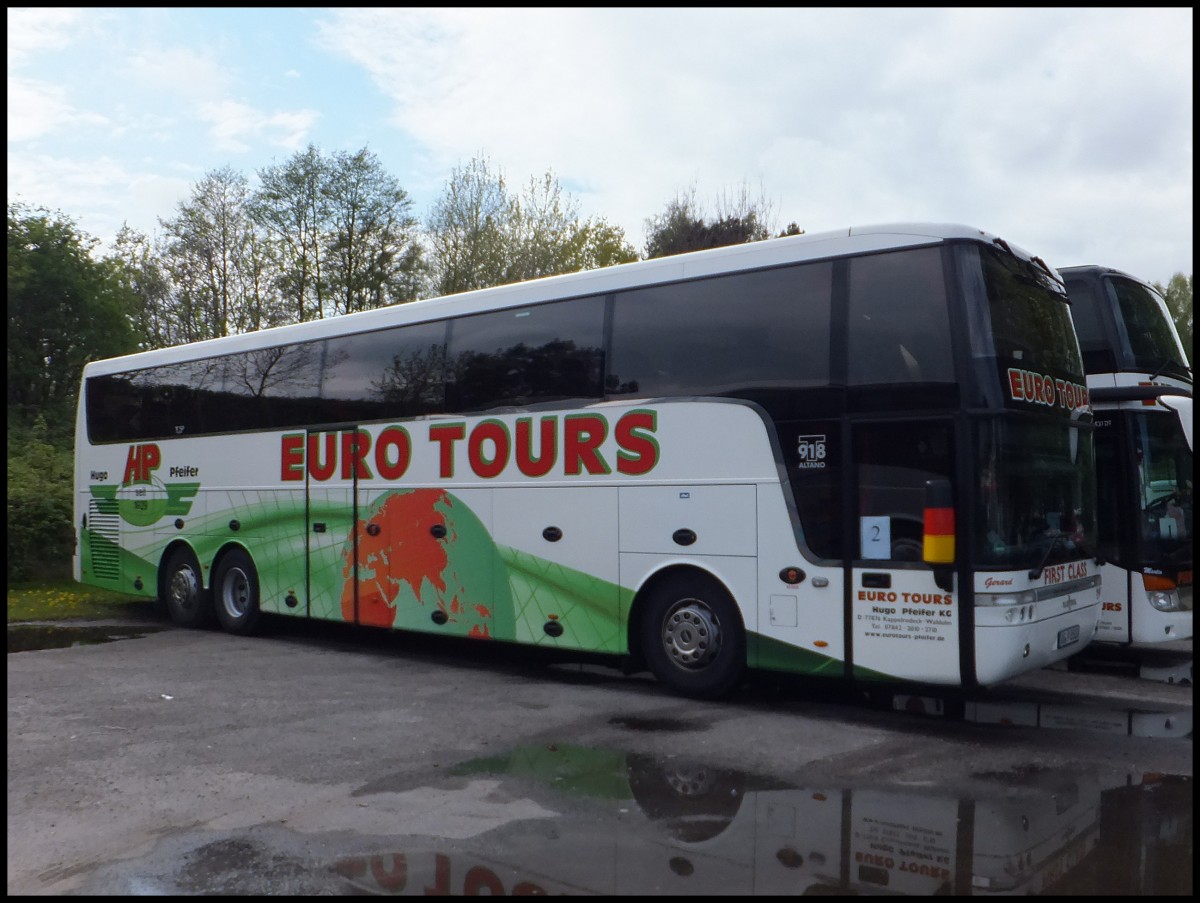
(1036, 573)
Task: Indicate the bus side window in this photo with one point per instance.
(899, 331)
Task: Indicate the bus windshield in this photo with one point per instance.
(1030, 321)
(1036, 492)
(1164, 469)
(1144, 326)
(1036, 486)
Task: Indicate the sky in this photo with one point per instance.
(1067, 132)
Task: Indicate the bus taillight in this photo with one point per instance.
(939, 522)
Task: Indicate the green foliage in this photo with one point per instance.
(40, 531)
(1178, 293)
(480, 235)
(683, 227)
(373, 258)
(65, 308)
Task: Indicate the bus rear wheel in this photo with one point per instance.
(235, 586)
(692, 637)
(187, 603)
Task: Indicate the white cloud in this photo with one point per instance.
(978, 116)
(33, 31)
(1066, 131)
(100, 194)
(36, 109)
(238, 128)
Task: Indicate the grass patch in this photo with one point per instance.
(65, 599)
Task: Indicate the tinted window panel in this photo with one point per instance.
(1032, 326)
(1085, 312)
(1147, 323)
(269, 387)
(730, 335)
(899, 323)
(389, 374)
(527, 355)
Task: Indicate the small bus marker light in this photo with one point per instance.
(791, 576)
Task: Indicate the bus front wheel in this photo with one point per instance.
(187, 603)
(692, 637)
(235, 586)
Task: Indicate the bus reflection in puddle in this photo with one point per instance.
(1162, 724)
(659, 826)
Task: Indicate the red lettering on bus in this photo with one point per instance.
(291, 455)
(488, 431)
(320, 469)
(446, 434)
(583, 434)
(638, 451)
(393, 437)
(355, 446)
(1015, 384)
(141, 461)
(548, 446)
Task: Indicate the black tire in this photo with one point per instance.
(187, 603)
(692, 637)
(235, 593)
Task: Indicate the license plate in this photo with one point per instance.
(1068, 636)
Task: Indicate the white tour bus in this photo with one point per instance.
(1140, 383)
(864, 454)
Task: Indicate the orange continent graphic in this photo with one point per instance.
(395, 548)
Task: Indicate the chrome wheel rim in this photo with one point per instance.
(185, 588)
(235, 593)
(691, 634)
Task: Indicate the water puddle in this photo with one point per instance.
(638, 824)
(31, 637)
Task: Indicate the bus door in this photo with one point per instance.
(902, 623)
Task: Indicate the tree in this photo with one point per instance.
(684, 226)
(373, 257)
(39, 501)
(1178, 293)
(65, 308)
(481, 235)
(466, 230)
(291, 206)
(548, 237)
(145, 277)
(209, 252)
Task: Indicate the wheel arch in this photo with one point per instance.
(223, 552)
(651, 584)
